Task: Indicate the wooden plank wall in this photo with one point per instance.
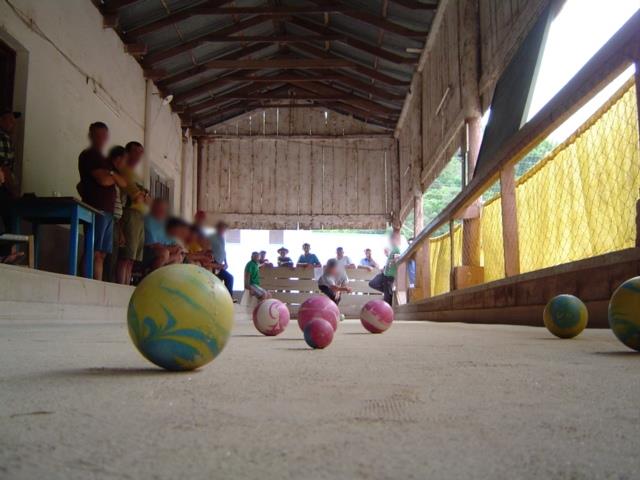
(503, 25)
(410, 152)
(296, 121)
(295, 285)
(296, 182)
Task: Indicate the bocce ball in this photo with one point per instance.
(376, 316)
(271, 317)
(624, 313)
(565, 316)
(318, 333)
(318, 306)
(180, 317)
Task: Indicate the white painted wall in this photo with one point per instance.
(77, 75)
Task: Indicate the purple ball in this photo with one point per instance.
(318, 306)
(376, 316)
(318, 333)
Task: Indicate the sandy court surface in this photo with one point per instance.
(421, 401)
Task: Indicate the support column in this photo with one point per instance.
(418, 215)
(187, 158)
(470, 272)
(146, 160)
(200, 183)
(638, 112)
(509, 221)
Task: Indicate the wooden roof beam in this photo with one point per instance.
(415, 4)
(352, 100)
(375, 20)
(172, 18)
(201, 68)
(354, 42)
(249, 77)
(164, 54)
(370, 72)
(281, 63)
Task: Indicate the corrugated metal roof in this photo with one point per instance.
(355, 50)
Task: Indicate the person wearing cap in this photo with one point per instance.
(218, 249)
(9, 189)
(283, 258)
(308, 259)
(97, 188)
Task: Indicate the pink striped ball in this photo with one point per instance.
(318, 333)
(376, 316)
(271, 317)
(318, 306)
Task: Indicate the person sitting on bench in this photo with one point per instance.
(333, 281)
(308, 259)
(283, 259)
(252, 278)
(368, 262)
(159, 248)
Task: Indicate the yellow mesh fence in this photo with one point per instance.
(491, 240)
(577, 202)
(440, 257)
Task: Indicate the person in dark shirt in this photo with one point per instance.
(97, 187)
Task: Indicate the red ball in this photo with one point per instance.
(376, 316)
(318, 333)
(318, 306)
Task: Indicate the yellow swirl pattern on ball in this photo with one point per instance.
(565, 316)
(180, 317)
(624, 313)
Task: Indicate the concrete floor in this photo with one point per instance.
(424, 400)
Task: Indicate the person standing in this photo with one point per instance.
(9, 189)
(383, 282)
(218, 249)
(97, 188)
(132, 222)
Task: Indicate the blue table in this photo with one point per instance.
(59, 211)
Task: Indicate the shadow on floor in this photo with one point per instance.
(618, 353)
(116, 372)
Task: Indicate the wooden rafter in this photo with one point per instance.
(375, 20)
(354, 42)
(164, 54)
(170, 19)
(415, 5)
(169, 79)
(281, 63)
(370, 72)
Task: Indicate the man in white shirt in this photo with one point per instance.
(343, 260)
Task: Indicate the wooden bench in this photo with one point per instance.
(294, 285)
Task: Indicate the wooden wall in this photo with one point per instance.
(441, 90)
(299, 182)
(503, 26)
(296, 121)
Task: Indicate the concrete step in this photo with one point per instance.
(38, 296)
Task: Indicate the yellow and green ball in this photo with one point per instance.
(565, 316)
(180, 317)
(624, 313)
